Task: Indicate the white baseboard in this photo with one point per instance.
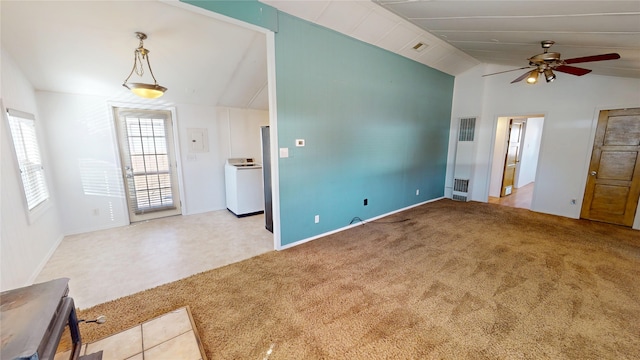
(96, 228)
(44, 261)
(299, 242)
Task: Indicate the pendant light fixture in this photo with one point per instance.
(140, 55)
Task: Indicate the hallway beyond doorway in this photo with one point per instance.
(519, 198)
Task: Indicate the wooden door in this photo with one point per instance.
(512, 157)
(613, 182)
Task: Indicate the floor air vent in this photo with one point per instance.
(460, 189)
(459, 198)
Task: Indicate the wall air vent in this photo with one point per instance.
(461, 185)
(419, 46)
(467, 129)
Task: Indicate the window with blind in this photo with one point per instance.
(25, 143)
(149, 163)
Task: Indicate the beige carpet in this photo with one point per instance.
(453, 280)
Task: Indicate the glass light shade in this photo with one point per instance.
(533, 77)
(549, 75)
(147, 91)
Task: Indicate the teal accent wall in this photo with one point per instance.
(250, 11)
(376, 126)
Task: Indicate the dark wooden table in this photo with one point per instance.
(33, 319)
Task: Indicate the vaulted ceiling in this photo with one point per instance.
(458, 35)
(86, 47)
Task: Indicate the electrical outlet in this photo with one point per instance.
(317, 219)
(366, 202)
(417, 192)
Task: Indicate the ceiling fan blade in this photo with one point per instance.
(572, 70)
(521, 77)
(506, 71)
(602, 57)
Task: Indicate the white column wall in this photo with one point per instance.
(530, 151)
(499, 156)
(468, 101)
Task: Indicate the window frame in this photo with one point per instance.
(40, 201)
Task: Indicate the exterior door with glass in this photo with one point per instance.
(148, 163)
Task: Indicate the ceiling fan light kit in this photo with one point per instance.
(549, 75)
(140, 55)
(547, 62)
(533, 77)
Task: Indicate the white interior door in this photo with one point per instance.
(148, 163)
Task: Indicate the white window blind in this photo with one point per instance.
(25, 142)
(146, 159)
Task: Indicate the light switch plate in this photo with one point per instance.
(284, 152)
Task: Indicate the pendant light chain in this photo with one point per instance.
(141, 54)
(149, 66)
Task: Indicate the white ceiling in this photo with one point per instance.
(87, 46)
(367, 21)
(461, 34)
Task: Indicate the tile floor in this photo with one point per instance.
(109, 264)
(170, 336)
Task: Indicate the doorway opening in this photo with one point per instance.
(515, 160)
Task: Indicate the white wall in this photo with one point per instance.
(244, 131)
(232, 132)
(530, 151)
(87, 175)
(86, 168)
(203, 172)
(570, 106)
(25, 245)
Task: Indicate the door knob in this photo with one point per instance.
(593, 173)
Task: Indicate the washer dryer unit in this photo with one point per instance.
(244, 188)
